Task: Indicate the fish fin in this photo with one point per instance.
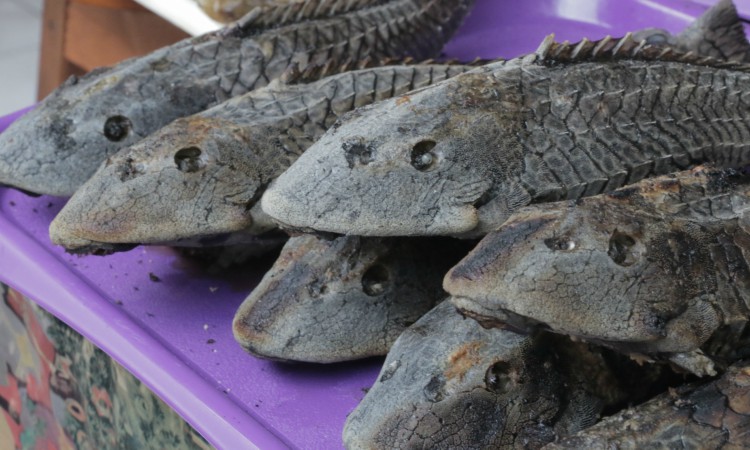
(694, 362)
(717, 33)
(507, 197)
(623, 49)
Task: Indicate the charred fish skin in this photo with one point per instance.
(58, 145)
(659, 268)
(449, 383)
(327, 301)
(202, 175)
(458, 157)
(711, 415)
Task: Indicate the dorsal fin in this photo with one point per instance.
(313, 72)
(719, 31)
(622, 49)
(266, 17)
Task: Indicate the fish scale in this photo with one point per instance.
(190, 76)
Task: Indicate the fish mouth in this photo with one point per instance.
(363, 215)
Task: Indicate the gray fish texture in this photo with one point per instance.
(348, 298)
(658, 269)
(57, 146)
(572, 120)
(449, 383)
(200, 177)
(711, 416)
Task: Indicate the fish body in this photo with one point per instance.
(449, 383)
(197, 180)
(458, 157)
(708, 415)
(347, 298)
(57, 146)
(659, 268)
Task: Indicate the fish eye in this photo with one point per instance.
(189, 160)
(375, 280)
(422, 156)
(621, 249)
(116, 128)
(500, 377)
(560, 244)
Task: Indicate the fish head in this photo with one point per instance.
(448, 382)
(58, 145)
(192, 182)
(412, 165)
(328, 300)
(581, 268)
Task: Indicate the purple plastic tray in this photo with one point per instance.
(175, 334)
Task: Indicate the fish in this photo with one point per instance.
(712, 414)
(658, 270)
(571, 120)
(346, 298)
(197, 181)
(58, 145)
(449, 383)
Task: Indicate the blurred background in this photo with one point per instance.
(43, 42)
(20, 38)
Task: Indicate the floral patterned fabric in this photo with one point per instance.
(58, 391)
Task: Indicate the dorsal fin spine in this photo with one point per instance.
(624, 48)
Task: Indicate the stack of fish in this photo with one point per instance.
(527, 154)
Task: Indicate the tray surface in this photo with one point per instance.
(175, 333)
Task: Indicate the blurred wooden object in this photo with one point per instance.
(80, 35)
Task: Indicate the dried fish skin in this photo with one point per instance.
(201, 176)
(449, 383)
(58, 145)
(710, 415)
(658, 268)
(327, 301)
(458, 157)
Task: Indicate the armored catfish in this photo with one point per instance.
(449, 383)
(57, 146)
(345, 298)
(659, 268)
(710, 415)
(199, 178)
(458, 157)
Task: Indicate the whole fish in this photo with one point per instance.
(449, 383)
(458, 157)
(348, 298)
(57, 146)
(659, 269)
(711, 415)
(197, 180)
